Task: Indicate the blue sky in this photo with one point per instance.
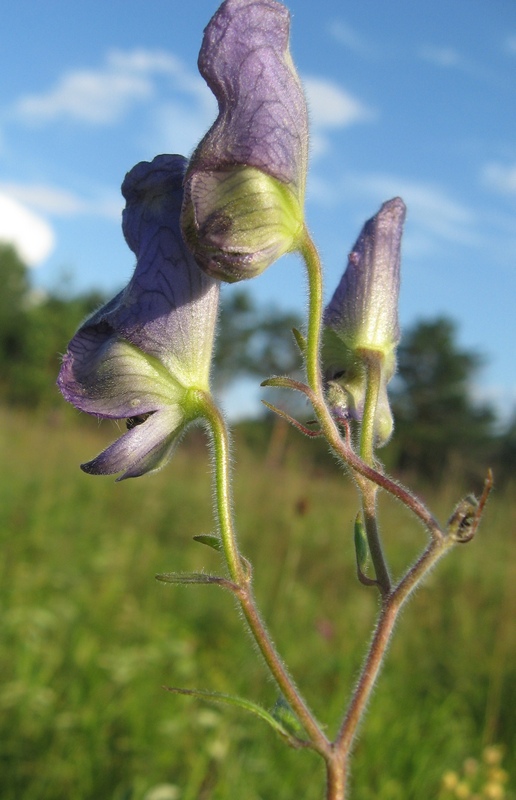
(407, 98)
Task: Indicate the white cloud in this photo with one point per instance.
(331, 107)
(143, 61)
(30, 234)
(155, 62)
(102, 96)
(500, 177)
(99, 98)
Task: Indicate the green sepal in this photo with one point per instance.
(210, 540)
(253, 708)
(361, 546)
(239, 220)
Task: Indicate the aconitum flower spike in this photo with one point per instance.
(245, 184)
(139, 357)
(361, 320)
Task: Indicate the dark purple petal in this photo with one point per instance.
(262, 119)
(145, 448)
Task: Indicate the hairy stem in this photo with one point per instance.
(368, 479)
(315, 392)
(315, 290)
(336, 771)
(240, 576)
(223, 489)
(374, 659)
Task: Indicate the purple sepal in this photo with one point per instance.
(137, 356)
(263, 120)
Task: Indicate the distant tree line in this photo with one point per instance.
(440, 428)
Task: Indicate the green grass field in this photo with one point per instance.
(89, 638)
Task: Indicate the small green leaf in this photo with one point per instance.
(300, 340)
(218, 697)
(194, 577)
(210, 540)
(361, 547)
(277, 381)
(283, 714)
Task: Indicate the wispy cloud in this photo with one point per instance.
(332, 107)
(58, 202)
(352, 40)
(500, 177)
(510, 44)
(434, 215)
(447, 57)
(29, 233)
(103, 95)
(430, 206)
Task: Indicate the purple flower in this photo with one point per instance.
(361, 320)
(245, 183)
(142, 355)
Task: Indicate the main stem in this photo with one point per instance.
(336, 770)
(243, 580)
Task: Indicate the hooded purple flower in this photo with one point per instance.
(361, 320)
(138, 357)
(245, 183)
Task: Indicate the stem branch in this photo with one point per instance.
(315, 392)
(386, 621)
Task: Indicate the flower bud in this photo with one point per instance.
(361, 320)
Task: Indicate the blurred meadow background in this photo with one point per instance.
(88, 638)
